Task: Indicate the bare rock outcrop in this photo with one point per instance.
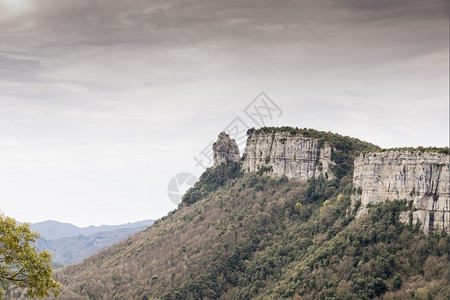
(420, 177)
(225, 149)
(290, 155)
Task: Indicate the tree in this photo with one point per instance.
(20, 264)
(397, 283)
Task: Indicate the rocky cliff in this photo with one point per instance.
(225, 149)
(291, 155)
(420, 177)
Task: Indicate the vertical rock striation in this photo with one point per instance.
(290, 155)
(225, 149)
(420, 177)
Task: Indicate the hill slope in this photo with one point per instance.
(256, 236)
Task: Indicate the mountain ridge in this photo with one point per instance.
(259, 235)
(70, 244)
(51, 229)
(73, 249)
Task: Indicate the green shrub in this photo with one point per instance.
(212, 179)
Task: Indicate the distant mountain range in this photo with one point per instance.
(51, 230)
(70, 244)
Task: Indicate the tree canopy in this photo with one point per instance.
(20, 264)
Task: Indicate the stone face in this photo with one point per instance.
(293, 156)
(325, 162)
(225, 149)
(420, 177)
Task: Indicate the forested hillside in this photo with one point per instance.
(256, 236)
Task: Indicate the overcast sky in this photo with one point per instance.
(102, 102)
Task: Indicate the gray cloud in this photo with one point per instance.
(414, 10)
(19, 69)
(175, 38)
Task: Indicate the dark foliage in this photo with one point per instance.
(212, 179)
(443, 150)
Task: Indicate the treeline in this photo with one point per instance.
(443, 150)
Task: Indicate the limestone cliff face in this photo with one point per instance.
(225, 149)
(294, 156)
(420, 177)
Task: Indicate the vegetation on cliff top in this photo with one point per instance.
(344, 148)
(343, 143)
(420, 149)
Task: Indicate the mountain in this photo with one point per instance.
(70, 244)
(54, 229)
(51, 230)
(297, 217)
(69, 250)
